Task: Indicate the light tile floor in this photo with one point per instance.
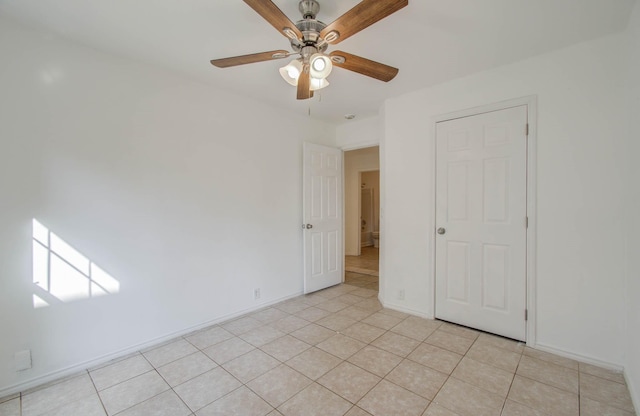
(365, 281)
(367, 262)
(335, 352)
(362, 271)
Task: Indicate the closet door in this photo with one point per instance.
(481, 227)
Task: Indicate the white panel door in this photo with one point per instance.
(323, 254)
(481, 231)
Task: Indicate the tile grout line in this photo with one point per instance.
(389, 381)
(601, 378)
(342, 361)
(228, 394)
(145, 400)
(242, 384)
(97, 393)
(193, 412)
(513, 379)
(153, 369)
(170, 386)
(389, 372)
(579, 393)
(598, 401)
(490, 365)
(449, 377)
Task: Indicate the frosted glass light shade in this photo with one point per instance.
(318, 84)
(320, 66)
(291, 72)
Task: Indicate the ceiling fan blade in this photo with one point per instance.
(366, 13)
(249, 59)
(272, 14)
(363, 66)
(304, 84)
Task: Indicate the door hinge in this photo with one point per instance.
(526, 314)
(526, 222)
(526, 129)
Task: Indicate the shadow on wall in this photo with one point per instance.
(61, 274)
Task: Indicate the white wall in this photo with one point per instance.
(356, 134)
(355, 161)
(175, 188)
(581, 188)
(632, 369)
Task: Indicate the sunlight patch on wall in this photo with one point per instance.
(63, 274)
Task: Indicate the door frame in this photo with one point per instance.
(363, 145)
(371, 142)
(532, 113)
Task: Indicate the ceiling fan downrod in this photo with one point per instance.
(309, 9)
(310, 28)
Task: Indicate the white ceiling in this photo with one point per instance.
(431, 41)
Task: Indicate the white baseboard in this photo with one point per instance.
(578, 357)
(96, 362)
(633, 392)
(403, 309)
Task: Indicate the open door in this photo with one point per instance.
(322, 216)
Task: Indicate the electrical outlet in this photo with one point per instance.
(22, 360)
(401, 294)
(256, 293)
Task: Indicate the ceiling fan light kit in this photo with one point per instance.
(321, 66)
(318, 84)
(291, 72)
(310, 39)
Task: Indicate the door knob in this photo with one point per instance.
(309, 226)
(441, 231)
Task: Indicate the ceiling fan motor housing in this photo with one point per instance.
(309, 27)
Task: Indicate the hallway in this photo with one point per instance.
(363, 270)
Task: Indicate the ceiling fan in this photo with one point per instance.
(310, 39)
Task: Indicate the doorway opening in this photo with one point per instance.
(362, 217)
